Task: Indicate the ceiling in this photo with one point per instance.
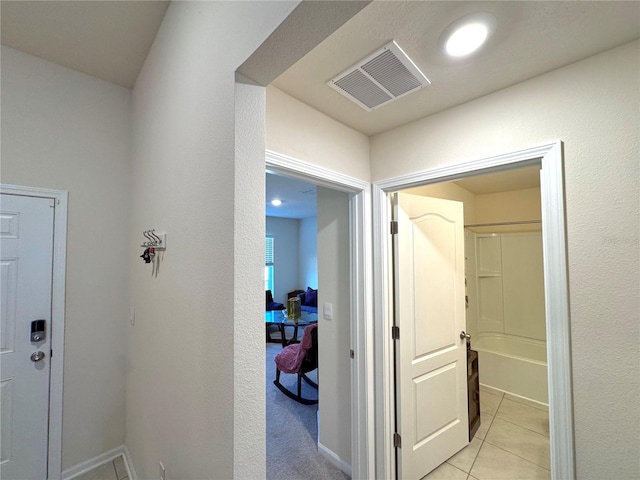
(106, 39)
(298, 198)
(531, 38)
(110, 40)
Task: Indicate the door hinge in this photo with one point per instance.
(397, 440)
(394, 227)
(395, 332)
(51, 353)
(352, 353)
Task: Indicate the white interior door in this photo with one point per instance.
(431, 370)
(26, 251)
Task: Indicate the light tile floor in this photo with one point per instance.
(512, 442)
(112, 470)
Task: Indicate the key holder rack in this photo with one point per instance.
(156, 240)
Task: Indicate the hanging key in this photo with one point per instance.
(146, 256)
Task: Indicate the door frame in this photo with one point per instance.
(54, 459)
(556, 290)
(362, 374)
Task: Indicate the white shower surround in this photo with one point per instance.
(513, 365)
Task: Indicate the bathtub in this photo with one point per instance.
(513, 364)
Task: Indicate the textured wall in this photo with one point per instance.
(249, 399)
(66, 130)
(183, 406)
(299, 131)
(334, 336)
(592, 106)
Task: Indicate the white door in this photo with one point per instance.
(431, 366)
(26, 251)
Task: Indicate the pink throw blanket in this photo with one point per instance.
(292, 356)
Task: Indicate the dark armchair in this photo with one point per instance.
(271, 305)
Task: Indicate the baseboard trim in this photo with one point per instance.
(129, 464)
(94, 462)
(498, 391)
(335, 459)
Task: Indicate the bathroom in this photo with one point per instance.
(505, 312)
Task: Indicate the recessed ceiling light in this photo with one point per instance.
(467, 34)
(276, 202)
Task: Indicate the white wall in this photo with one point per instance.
(334, 367)
(249, 434)
(450, 191)
(65, 130)
(285, 256)
(308, 253)
(188, 181)
(301, 132)
(511, 206)
(592, 106)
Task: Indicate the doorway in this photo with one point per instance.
(549, 159)
(307, 229)
(503, 306)
(359, 387)
(34, 253)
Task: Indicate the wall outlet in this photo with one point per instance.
(161, 471)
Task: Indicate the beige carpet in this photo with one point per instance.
(292, 431)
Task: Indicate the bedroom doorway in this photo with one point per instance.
(325, 441)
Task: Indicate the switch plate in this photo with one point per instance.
(327, 311)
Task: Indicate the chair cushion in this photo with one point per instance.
(311, 297)
(274, 306)
(291, 357)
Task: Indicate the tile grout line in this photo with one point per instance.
(485, 435)
(517, 425)
(516, 455)
(523, 427)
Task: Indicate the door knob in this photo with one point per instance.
(37, 356)
(464, 335)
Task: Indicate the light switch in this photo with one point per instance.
(327, 311)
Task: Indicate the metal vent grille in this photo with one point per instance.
(382, 77)
(358, 85)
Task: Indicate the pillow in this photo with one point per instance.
(311, 297)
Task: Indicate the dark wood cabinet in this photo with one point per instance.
(473, 390)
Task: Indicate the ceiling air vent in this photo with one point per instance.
(380, 78)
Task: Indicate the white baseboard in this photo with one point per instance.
(335, 459)
(94, 462)
(498, 391)
(129, 464)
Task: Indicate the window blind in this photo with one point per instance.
(268, 251)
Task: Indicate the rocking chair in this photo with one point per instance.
(300, 358)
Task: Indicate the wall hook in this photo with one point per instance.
(157, 241)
